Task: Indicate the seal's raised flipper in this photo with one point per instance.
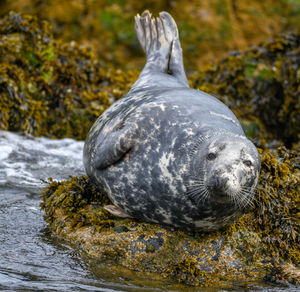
(116, 211)
(160, 42)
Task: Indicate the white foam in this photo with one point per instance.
(5, 150)
(26, 161)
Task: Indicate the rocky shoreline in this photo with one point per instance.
(56, 89)
(262, 245)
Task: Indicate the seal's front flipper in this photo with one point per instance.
(116, 211)
(114, 147)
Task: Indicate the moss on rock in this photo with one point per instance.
(261, 86)
(55, 89)
(50, 88)
(208, 29)
(262, 245)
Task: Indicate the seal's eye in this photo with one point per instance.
(211, 156)
(247, 163)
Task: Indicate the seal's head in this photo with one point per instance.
(226, 170)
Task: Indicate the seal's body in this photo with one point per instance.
(169, 154)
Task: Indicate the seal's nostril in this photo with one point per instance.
(218, 184)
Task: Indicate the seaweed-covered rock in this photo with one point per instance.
(208, 29)
(50, 88)
(55, 89)
(261, 85)
(262, 245)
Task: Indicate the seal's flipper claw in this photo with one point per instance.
(160, 31)
(143, 28)
(155, 40)
(146, 22)
(154, 35)
(170, 27)
(139, 30)
(116, 211)
(176, 66)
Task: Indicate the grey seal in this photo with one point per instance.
(169, 154)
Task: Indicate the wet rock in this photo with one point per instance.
(259, 246)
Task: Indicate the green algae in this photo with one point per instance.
(208, 29)
(263, 244)
(55, 89)
(261, 86)
(73, 197)
(50, 88)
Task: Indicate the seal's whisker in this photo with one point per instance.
(206, 194)
(193, 192)
(199, 185)
(246, 202)
(250, 200)
(247, 192)
(250, 189)
(240, 199)
(246, 198)
(198, 192)
(203, 198)
(199, 179)
(235, 199)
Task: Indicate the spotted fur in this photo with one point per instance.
(150, 152)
